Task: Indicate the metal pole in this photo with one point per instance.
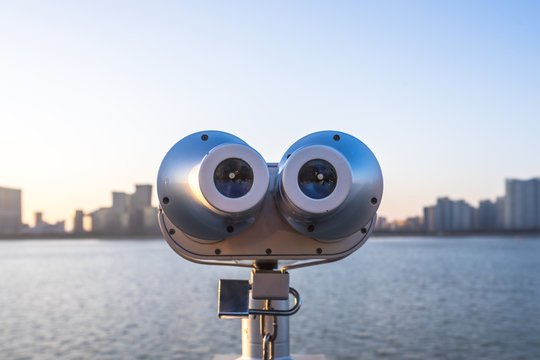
(254, 326)
(252, 340)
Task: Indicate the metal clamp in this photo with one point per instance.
(233, 301)
(291, 311)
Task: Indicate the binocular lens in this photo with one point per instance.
(233, 177)
(317, 178)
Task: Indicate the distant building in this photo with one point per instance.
(429, 219)
(129, 214)
(410, 224)
(142, 197)
(42, 227)
(382, 224)
(121, 201)
(78, 222)
(486, 216)
(10, 211)
(499, 205)
(462, 216)
(38, 218)
(101, 221)
(45, 228)
(449, 215)
(522, 204)
(443, 214)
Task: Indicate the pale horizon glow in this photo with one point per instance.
(93, 94)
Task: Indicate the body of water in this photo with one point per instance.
(396, 298)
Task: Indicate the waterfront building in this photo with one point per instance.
(522, 204)
(462, 216)
(486, 215)
(142, 197)
(38, 218)
(121, 201)
(44, 228)
(499, 205)
(449, 215)
(410, 224)
(78, 222)
(10, 211)
(129, 214)
(443, 214)
(382, 224)
(429, 219)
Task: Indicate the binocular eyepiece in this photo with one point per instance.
(220, 199)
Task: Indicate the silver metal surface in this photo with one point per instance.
(252, 341)
(269, 231)
(233, 299)
(234, 296)
(359, 206)
(270, 285)
(280, 312)
(181, 195)
(294, 356)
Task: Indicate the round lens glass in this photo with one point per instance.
(317, 178)
(233, 177)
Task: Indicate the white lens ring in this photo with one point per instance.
(296, 196)
(243, 203)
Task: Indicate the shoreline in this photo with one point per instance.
(376, 234)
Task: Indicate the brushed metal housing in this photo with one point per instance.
(314, 218)
(187, 193)
(270, 237)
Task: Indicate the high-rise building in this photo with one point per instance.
(38, 218)
(499, 204)
(121, 201)
(10, 211)
(382, 223)
(486, 215)
(522, 204)
(462, 216)
(448, 215)
(142, 197)
(129, 214)
(430, 219)
(78, 222)
(443, 214)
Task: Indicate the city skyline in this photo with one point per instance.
(131, 214)
(94, 94)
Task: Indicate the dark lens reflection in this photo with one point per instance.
(317, 178)
(233, 177)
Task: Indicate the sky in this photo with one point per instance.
(94, 93)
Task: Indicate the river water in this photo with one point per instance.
(395, 298)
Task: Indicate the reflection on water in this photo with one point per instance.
(413, 298)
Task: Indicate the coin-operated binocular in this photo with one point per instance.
(222, 204)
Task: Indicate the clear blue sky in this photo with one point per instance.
(93, 94)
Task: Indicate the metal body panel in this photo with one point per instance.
(180, 194)
(269, 232)
(358, 207)
(270, 285)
